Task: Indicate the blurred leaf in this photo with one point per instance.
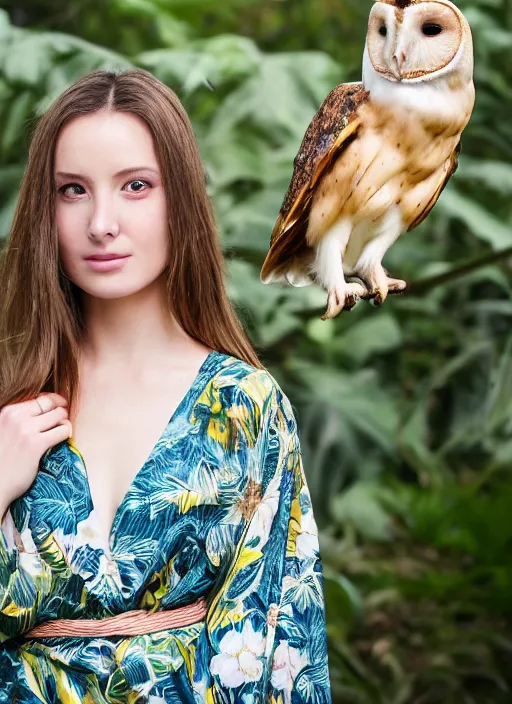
(480, 222)
(360, 506)
(370, 337)
(496, 175)
(363, 407)
(18, 113)
(499, 405)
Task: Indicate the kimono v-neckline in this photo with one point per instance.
(205, 372)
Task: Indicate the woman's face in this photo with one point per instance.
(110, 200)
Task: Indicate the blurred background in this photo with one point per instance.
(404, 412)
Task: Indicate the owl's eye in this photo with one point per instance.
(383, 30)
(431, 29)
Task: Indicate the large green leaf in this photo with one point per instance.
(477, 219)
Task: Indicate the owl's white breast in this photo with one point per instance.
(440, 99)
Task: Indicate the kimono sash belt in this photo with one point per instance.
(130, 623)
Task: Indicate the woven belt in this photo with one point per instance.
(130, 623)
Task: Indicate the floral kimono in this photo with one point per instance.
(220, 510)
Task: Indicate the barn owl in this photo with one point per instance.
(377, 154)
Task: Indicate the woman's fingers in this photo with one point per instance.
(48, 420)
(44, 403)
(27, 430)
(57, 434)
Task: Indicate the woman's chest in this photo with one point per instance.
(116, 431)
(115, 443)
(181, 516)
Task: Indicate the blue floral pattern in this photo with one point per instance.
(221, 510)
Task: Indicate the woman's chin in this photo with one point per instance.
(110, 289)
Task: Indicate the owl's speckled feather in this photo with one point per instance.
(333, 117)
(328, 134)
(450, 168)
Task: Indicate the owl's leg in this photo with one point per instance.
(369, 265)
(329, 270)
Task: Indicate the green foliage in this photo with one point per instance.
(405, 412)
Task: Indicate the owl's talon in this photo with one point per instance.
(380, 286)
(396, 286)
(349, 303)
(343, 298)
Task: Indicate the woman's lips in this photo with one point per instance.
(112, 263)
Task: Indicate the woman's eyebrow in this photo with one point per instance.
(123, 172)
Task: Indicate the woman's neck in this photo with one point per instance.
(130, 330)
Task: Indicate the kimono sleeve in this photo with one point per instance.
(24, 580)
(266, 625)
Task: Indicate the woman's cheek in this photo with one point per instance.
(65, 242)
(64, 226)
(147, 229)
(67, 261)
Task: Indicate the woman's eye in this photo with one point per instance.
(383, 30)
(65, 188)
(138, 185)
(74, 189)
(431, 29)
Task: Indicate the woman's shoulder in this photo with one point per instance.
(257, 382)
(255, 387)
(241, 401)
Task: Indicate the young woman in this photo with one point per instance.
(158, 542)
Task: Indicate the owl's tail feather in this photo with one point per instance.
(298, 278)
(294, 272)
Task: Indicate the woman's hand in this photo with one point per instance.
(27, 430)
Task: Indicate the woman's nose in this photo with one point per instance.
(103, 223)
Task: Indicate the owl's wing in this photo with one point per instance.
(450, 168)
(331, 130)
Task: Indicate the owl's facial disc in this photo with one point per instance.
(415, 42)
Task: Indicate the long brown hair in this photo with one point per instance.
(40, 313)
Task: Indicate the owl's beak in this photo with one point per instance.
(397, 63)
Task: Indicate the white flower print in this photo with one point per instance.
(307, 539)
(238, 661)
(286, 665)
